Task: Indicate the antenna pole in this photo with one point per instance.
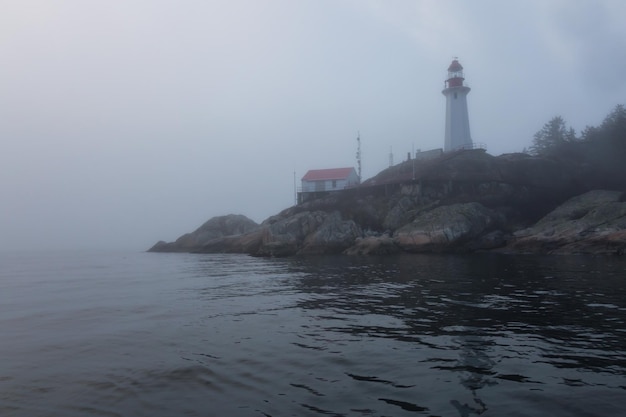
(413, 157)
(295, 190)
(358, 153)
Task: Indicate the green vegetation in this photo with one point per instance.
(553, 136)
(600, 150)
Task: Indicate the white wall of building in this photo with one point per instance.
(330, 185)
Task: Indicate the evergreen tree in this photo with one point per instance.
(589, 134)
(615, 119)
(604, 146)
(614, 128)
(612, 131)
(552, 136)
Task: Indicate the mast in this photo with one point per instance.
(358, 154)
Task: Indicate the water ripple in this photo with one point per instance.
(203, 335)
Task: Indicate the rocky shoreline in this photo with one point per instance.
(463, 202)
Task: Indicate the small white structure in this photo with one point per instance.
(457, 119)
(431, 154)
(334, 179)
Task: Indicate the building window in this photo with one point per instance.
(455, 96)
(334, 183)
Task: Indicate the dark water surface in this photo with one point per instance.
(229, 335)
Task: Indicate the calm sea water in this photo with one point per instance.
(141, 334)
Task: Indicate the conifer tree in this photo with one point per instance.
(553, 135)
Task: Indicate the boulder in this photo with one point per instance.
(285, 236)
(214, 228)
(492, 240)
(307, 233)
(400, 214)
(446, 228)
(592, 223)
(245, 243)
(334, 235)
(373, 245)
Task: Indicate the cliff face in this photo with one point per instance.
(460, 202)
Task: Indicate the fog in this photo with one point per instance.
(127, 122)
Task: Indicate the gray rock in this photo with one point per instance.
(308, 232)
(400, 214)
(592, 223)
(334, 235)
(286, 236)
(373, 245)
(446, 228)
(214, 228)
(246, 243)
(460, 201)
(491, 240)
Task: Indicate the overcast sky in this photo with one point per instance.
(124, 122)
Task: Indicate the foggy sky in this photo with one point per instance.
(124, 122)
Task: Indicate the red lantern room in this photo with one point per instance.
(455, 75)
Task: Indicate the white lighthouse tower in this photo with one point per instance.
(457, 119)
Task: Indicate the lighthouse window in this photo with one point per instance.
(455, 95)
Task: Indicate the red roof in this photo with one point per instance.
(455, 66)
(327, 174)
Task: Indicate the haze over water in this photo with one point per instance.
(128, 122)
(139, 334)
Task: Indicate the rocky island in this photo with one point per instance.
(565, 195)
(463, 201)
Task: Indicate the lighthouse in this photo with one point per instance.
(457, 119)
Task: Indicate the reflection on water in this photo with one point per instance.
(204, 335)
(487, 320)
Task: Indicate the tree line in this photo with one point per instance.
(599, 149)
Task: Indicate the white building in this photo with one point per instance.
(457, 119)
(333, 179)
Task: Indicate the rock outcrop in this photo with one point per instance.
(286, 236)
(461, 202)
(308, 232)
(373, 245)
(447, 228)
(594, 222)
(216, 227)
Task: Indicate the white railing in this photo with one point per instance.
(473, 146)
